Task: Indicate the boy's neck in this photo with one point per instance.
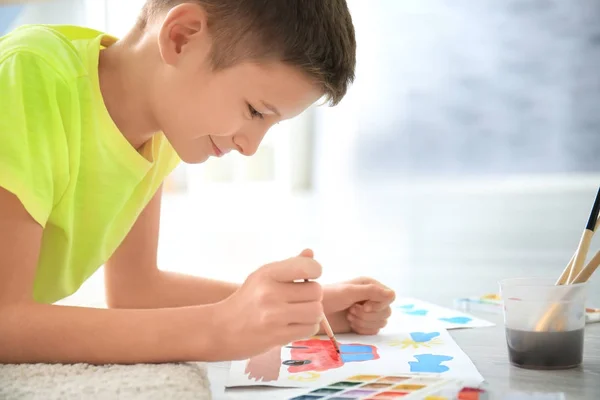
(124, 82)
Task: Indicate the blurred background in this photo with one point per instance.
(467, 151)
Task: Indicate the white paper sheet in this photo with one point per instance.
(394, 352)
(413, 311)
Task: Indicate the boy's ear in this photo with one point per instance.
(183, 24)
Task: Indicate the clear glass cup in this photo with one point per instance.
(544, 322)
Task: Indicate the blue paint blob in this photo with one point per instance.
(429, 363)
(457, 320)
(422, 337)
(353, 357)
(352, 348)
(407, 306)
(417, 312)
(355, 352)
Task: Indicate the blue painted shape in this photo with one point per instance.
(352, 348)
(8, 14)
(422, 337)
(429, 363)
(407, 306)
(417, 312)
(355, 352)
(354, 357)
(457, 320)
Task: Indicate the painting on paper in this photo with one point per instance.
(314, 361)
(411, 311)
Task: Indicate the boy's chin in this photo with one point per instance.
(190, 152)
(197, 158)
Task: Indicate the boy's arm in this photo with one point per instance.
(133, 280)
(242, 326)
(31, 332)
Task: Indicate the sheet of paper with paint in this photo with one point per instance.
(314, 362)
(411, 311)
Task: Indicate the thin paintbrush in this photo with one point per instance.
(589, 269)
(327, 328)
(558, 324)
(564, 277)
(574, 268)
(329, 333)
(586, 239)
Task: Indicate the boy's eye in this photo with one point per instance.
(254, 113)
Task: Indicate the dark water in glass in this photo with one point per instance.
(545, 350)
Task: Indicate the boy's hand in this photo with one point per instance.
(270, 309)
(361, 305)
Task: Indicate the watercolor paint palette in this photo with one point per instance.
(395, 387)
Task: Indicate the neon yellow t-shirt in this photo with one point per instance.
(64, 158)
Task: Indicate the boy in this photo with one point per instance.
(91, 126)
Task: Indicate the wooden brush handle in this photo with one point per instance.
(589, 269)
(564, 277)
(545, 322)
(581, 255)
(327, 327)
(551, 315)
(574, 273)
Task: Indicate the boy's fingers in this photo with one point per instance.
(307, 253)
(364, 328)
(294, 269)
(304, 314)
(296, 332)
(370, 293)
(375, 306)
(302, 292)
(371, 316)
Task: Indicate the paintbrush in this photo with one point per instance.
(584, 276)
(584, 242)
(587, 272)
(328, 331)
(564, 277)
(574, 268)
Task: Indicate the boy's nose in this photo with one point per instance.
(249, 143)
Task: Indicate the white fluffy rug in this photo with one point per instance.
(83, 381)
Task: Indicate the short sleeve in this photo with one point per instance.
(33, 150)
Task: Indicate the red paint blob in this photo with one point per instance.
(322, 355)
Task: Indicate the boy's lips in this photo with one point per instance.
(218, 152)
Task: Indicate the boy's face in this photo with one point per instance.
(207, 113)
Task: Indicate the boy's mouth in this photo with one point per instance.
(216, 149)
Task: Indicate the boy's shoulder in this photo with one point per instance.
(57, 45)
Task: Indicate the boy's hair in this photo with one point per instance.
(316, 36)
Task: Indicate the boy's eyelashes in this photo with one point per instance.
(254, 113)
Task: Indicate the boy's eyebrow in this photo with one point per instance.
(271, 108)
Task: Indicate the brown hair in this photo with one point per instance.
(316, 36)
